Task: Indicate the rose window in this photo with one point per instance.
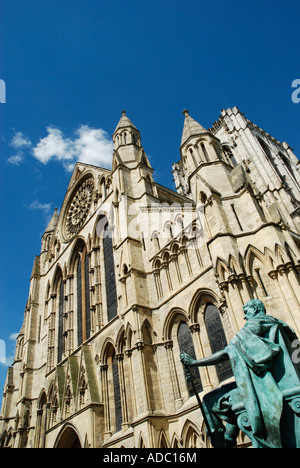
(79, 208)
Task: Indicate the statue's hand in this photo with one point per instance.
(186, 359)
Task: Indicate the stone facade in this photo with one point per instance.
(130, 273)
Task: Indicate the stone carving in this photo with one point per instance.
(264, 400)
(79, 208)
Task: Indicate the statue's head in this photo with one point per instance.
(254, 307)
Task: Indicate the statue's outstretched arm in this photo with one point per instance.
(212, 360)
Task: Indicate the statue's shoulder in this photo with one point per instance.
(259, 325)
(271, 325)
(254, 326)
(274, 321)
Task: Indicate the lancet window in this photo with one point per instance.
(186, 345)
(217, 338)
(83, 295)
(110, 280)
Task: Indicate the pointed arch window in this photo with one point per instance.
(56, 345)
(87, 295)
(103, 188)
(163, 442)
(60, 349)
(229, 156)
(169, 231)
(104, 230)
(148, 186)
(261, 281)
(268, 153)
(112, 391)
(41, 422)
(179, 224)
(110, 280)
(193, 157)
(155, 238)
(117, 394)
(186, 345)
(79, 302)
(83, 297)
(204, 152)
(288, 165)
(217, 338)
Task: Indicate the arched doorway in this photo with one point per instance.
(68, 438)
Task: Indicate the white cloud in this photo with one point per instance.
(36, 205)
(54, 145)
(89, 145)
(20, 141)
(7, 361)
(17, 159)
(13, 336)
(93, 146)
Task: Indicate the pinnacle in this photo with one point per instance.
(191, 127)
(53, 222)
(124, 122)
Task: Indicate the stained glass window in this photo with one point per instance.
(79, 303)
(186, 345)
(110, 280)
(217, 339)
(87, 297)
(61, 322)
(117, 394)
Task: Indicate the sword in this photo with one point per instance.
(189, 378)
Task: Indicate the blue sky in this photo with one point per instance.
(71, 67)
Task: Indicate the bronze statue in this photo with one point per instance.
(265, 402)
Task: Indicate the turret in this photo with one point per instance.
(198, 145)
(131, 160)
(48, 234)
(202, 156)
(126, 135)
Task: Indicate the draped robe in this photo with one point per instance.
(260, 356)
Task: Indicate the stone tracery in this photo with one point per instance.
(79, 208)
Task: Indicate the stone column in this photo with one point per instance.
(173, 373)
(224, 288)
(128, 354)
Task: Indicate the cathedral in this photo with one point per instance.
(132, 273)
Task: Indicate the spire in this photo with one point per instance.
(48, 234)
(53, 222)
(36, 270)
(124, 122)
(191, 127)
(126, 133)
